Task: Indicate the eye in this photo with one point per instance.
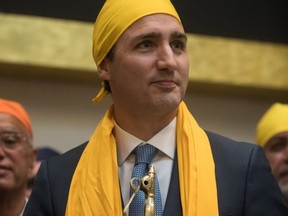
(178, 45)
(145, 44)
(10, 139)
(277, 145)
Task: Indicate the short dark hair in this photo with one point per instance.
(109, 57)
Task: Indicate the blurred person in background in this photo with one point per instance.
(272, 135)
(17, 157)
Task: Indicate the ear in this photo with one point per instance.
(32, 161)
(103, 70)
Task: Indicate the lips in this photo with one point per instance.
(4, 170)
(165, 82)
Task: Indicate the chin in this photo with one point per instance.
(170, 99)
(284, 190)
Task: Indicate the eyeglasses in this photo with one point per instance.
(11, 140)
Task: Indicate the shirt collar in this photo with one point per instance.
(164, 140)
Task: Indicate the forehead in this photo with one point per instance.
(9, 122)
(278, 138)
(283, 134)
(162, 23)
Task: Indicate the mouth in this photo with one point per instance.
(165, 83)
(4, 170)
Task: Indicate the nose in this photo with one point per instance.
(166, 58)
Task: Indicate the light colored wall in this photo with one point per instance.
(63, 115)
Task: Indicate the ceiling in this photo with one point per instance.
(262, 20)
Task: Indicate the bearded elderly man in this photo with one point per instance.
(140, 51)
(272, 135)
(17, 157)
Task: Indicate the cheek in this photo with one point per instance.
(275, 161)
(184, 70)
(183, 62)
(129, 74)
(24, 163)
(135, 62)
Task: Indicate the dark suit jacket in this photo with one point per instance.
(245, 185)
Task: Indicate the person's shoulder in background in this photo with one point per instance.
(46, 152)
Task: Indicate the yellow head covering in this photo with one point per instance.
(274, 121)
(115, 17)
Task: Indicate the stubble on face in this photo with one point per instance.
(17, 163)
(276, 151)
(150, 66)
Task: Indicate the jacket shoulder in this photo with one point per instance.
(242, 173)
(69, 158)
(228, 149)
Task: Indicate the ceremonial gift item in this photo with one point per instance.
(147, 185)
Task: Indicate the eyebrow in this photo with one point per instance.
(179, 35)
(9, 132)
(175, 34)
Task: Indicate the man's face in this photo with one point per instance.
(16, 161)
(276, 151)
(149, 70)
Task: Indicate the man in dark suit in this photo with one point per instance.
(140, 50)
(272, 135)
(17, 157)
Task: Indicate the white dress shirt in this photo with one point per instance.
(164, 141)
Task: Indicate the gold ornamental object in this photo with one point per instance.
(147, 185)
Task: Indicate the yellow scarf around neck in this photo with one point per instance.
(95, 189)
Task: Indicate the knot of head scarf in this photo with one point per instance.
(274, 121)
(115, 17)
(16, 110)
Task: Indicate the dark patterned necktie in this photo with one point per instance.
(144, 155)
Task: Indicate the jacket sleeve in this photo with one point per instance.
(263, 196)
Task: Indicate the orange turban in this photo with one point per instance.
(16, 110)
(274, 121)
